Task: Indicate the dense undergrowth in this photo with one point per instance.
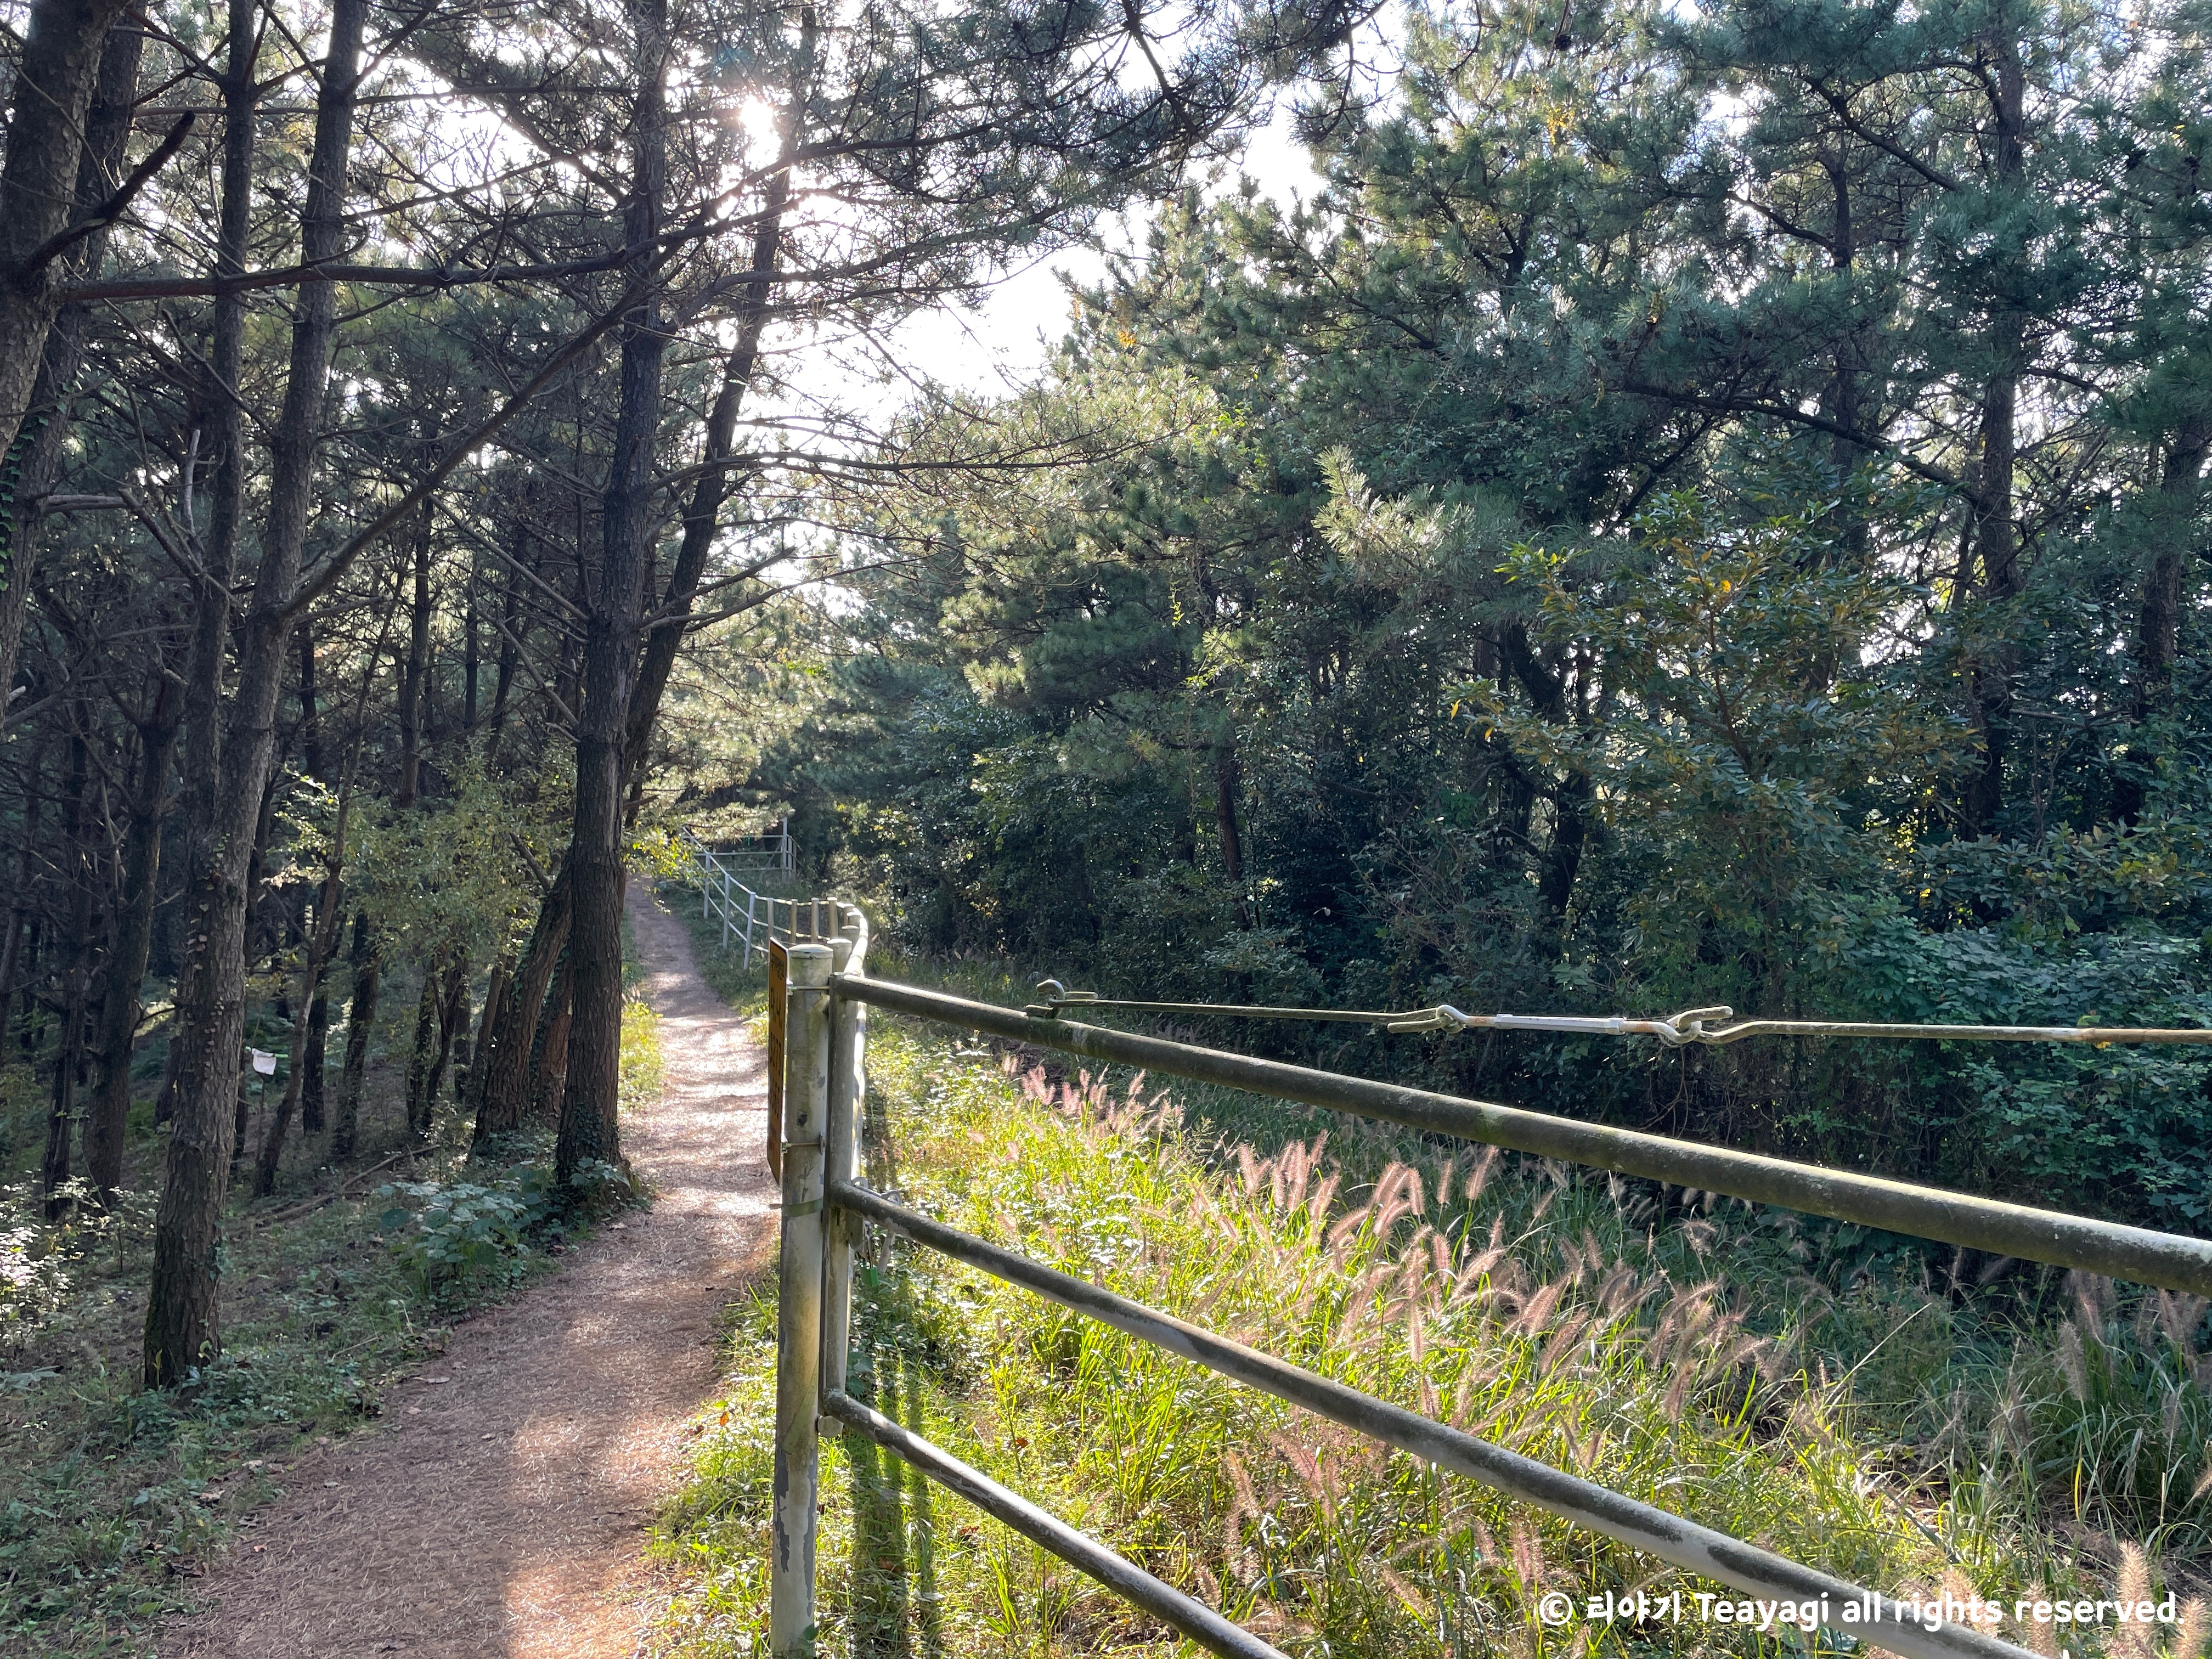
(1836, 1395)
(114, 1500)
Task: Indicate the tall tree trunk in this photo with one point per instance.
(308, 1044)
(1990, 559)
(504, 1094)
(553, 1051)
(55, 77)
(469, 660)
(211, 604)
(2171, 511)
(182, 1318)
(703, 517)
(28, 1032)
(513, 620)
(78, 870)
(13, 969)
(426, 1042)
(311, 725)
(412, 676)
(2158, 632)
(321, 945)
(11, 953)
(312, 1060)
(134, 938)
(452, 1018)
(34, 455)
(589, 1130)
(1227, 784)
(468, 1081)
(361, 1021)
(1841, 399)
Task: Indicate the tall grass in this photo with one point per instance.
(1685, 1357)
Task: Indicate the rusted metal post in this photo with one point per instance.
(848, 1041)
(791, 1630)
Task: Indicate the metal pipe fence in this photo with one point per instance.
(745, 914)
(822, 1066)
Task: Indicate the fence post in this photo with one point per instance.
(704, 864)
(791, 1628)
(752, 899)
(849, 1046)
(726, 910)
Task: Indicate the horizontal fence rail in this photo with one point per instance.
(2138, 1254)
(1133, 1583)
(822, 1065)
(1683, 1543)
(751, 916)
(1692, 1025)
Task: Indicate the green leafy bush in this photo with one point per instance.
(466, 1233)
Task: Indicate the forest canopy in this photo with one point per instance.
(388, 392)
(1706, 506)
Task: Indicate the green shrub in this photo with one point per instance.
(455, 1234)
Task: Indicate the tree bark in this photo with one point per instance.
(69, 1058)
(13, 944)
(589, 1130)
(134, 940)
(468, 1080)
(418, 1063)
(182, 1320)
(311, 725)
(418, 667)
(63, 42)
(361, 1021)
(514, 621)
(1226, 783)
(312, 1062)
(505, 1092)
(470, 660)
(34, 455)
(703, 517)
(211, 606)
(452, 1017)
(321, 945)
(553, 1052)
(2158, 633)
(1990, 562)
(11, 951)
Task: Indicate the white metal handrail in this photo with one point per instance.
(750, 915)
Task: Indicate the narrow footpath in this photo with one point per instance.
(498, 1506)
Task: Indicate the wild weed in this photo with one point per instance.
(1689, 1363)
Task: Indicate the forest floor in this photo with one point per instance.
(500, 1508)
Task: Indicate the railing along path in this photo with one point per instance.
(818, 1051)
(755, 917)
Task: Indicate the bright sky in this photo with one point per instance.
(1007, 340)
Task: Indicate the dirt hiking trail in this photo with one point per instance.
(497, 1508)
